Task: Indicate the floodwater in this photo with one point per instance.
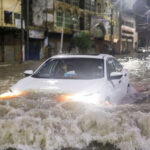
(37, 122)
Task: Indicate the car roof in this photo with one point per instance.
(99, 56)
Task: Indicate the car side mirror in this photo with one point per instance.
(28, 73)
(115, 75)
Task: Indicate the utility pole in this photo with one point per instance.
(22, 33)
(112, 27)
(62, 35)
(27, 29)
(46, 25)
(2, 12)
(120, 27)
(46, 45)
(46, 12)
(2, 35)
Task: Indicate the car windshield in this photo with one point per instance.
(71, 68)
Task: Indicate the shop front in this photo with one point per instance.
(36, 42)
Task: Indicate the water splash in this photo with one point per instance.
(38, 122)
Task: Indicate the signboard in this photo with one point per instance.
(18, 23)
(46, 42)
(50, 18)
(107, 37)
(115, 40)
(95, 20)
(35, 34)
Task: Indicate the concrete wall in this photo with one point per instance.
(0, 53)
(9, 54)
(8, 5)
(39, 16)
(13, 6)
(11, 47)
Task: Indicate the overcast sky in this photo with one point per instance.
(128, 4)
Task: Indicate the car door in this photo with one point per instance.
(116, 84)
(124, 80)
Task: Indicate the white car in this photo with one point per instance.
(141, 50)
(148, 50)
(96, 79)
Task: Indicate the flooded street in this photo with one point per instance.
(38, 122)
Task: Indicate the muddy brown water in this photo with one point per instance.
(36, 122)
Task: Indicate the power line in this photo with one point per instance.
(16, 5)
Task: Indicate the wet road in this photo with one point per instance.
(37, 122)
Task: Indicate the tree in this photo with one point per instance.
(83, 42)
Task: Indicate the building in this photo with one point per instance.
(48, 27)
(10, 25)
(129, 36)
(52, 21)
(142, 23)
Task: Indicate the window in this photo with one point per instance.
(113, 66)
(87, 23)
(118, 66)
(88, 4)
(75, 2)
(110, 67)
(82, 4)
(130, 24)
(8, 17)
(105, 8)
(17, 16)
(71, 68)
(82, 23)
(75, 22)
(68, 1)
(68, 20)
(93, 5)
(59, 20)
(99, 8)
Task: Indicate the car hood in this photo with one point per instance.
(59, 85)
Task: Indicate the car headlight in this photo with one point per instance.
(11, 94)
(93, 98)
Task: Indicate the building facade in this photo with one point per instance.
(56, 18)
(129, 36)
(49, 23)
(10, 24)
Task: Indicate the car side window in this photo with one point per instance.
(118, 66)
(46, 69)
(110, 67)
